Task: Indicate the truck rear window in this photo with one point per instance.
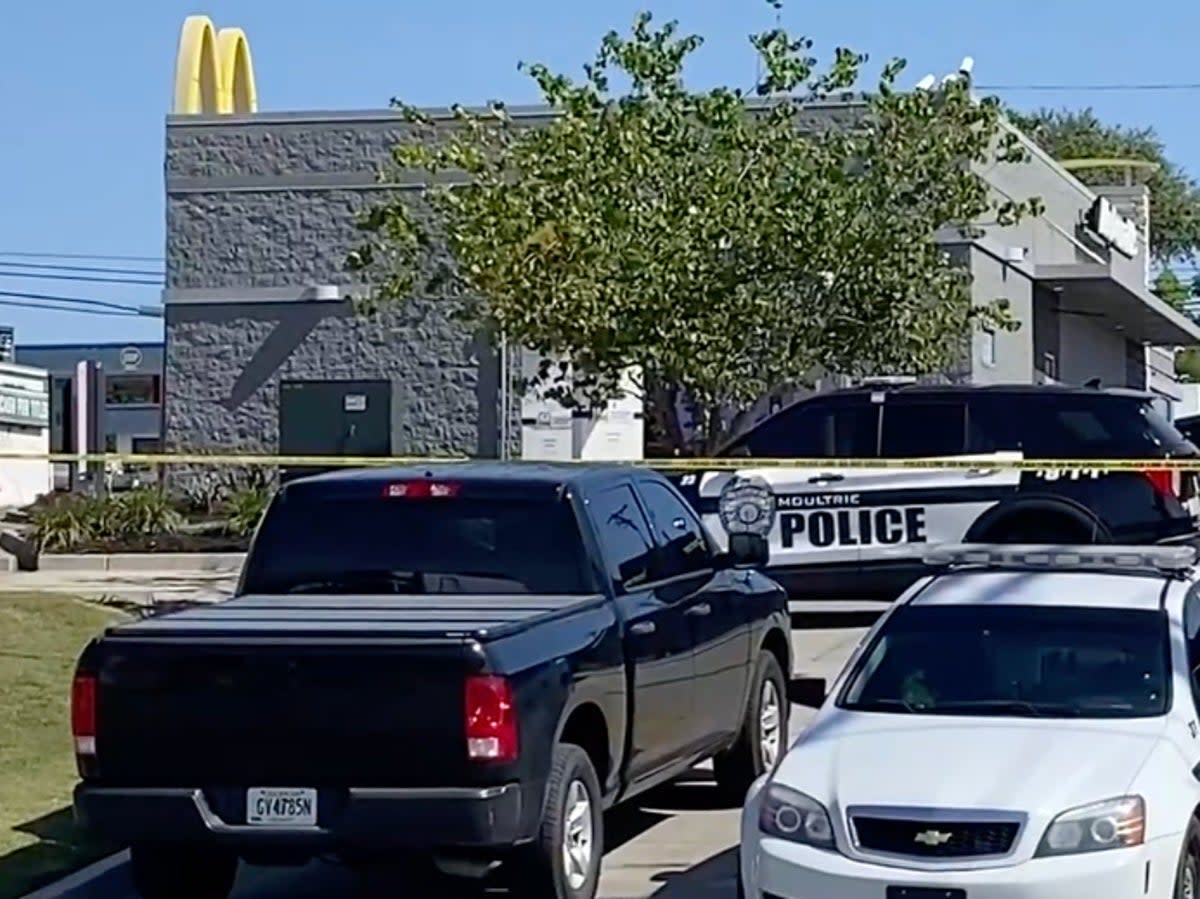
(372, 545)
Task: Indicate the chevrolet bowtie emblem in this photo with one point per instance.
(933, 838)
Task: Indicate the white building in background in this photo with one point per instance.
(25, 430)
(551, 432)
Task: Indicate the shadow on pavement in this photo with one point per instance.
(628, 822)
(807, 691)
(695, 791)
(60, 849)
(715, 876)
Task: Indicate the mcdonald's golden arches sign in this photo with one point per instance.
(214, 74)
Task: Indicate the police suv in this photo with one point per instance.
(861, 532)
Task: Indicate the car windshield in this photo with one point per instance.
(370, 545)
(1032, 661)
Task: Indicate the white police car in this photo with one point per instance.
(1021, 723)
(862, 532)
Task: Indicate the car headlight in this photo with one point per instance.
(1110, 824)
(790, 815)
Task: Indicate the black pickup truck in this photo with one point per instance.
(456, 668)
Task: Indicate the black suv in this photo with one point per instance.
(862, 532)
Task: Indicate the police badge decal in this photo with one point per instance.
(746, 506)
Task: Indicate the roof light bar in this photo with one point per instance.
(1064, 557)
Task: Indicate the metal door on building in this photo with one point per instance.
(334, 418)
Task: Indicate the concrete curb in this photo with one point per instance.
(130, 562)
(104, 879)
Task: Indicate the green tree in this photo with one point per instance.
(1169, 289)
(1174, 196)
(718, 246)
(1187, 366)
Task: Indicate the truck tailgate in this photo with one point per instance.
(300, 690)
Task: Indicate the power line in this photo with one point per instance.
(1094, 88)
(44, 307)
(101, 257)
(124, 308)
(85, 279)
(102, 270)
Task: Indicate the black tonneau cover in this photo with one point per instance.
(304, 689)
(419, 615)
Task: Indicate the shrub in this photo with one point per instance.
(146, 511)
(245, 507)
(71, 521)
(74, 521)
(212, 491)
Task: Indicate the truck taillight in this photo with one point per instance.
(83, 714)
(491, 719)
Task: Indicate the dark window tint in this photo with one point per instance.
(368, 544)
(915, 429)
(677, 530)
(1015, 660)
(624, 534)
(146, 445)
(1072, 426)
(821, 429)
(1191, 628)
(132, 390)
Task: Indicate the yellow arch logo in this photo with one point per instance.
(214, 74)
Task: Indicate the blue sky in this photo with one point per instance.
(85, 86)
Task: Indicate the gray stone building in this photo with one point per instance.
(262, 353)
(260, 219)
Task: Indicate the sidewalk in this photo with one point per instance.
(137, 587)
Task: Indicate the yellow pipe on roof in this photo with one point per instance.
(214, 72)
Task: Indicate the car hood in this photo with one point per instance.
(1033, 766)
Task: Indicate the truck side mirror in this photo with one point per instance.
(747, 551)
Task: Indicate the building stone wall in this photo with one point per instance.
(271, 202)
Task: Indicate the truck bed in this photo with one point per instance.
(309, 689)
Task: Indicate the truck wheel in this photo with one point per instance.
(763, 736)
(563, 861)
(182, 872)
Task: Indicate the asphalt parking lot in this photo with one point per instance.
(675, 844)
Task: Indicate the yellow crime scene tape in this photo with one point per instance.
(981, 463)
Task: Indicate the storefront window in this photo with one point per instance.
(132, 390)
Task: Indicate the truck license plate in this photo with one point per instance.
(281, 806)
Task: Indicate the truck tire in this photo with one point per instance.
(763, 737)
(182, 872)
(563, 862)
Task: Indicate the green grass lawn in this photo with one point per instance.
(41, 635)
